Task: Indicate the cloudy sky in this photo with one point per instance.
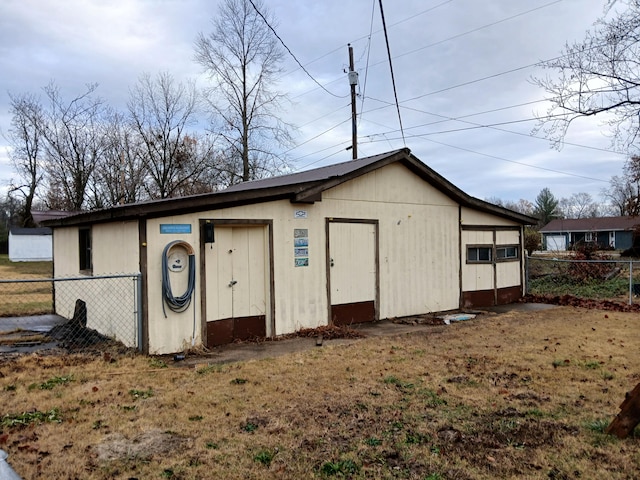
(459, 66)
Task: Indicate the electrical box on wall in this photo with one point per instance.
(208, 233)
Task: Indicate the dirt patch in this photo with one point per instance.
(572, 301)
(145, 446)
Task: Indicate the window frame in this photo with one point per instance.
(479, 261)
(85, 251)
(507, 258)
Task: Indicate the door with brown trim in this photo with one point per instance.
(353, 272)
(236, 287)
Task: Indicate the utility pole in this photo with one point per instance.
(353, 81)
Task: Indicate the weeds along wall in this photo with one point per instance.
(601, 278)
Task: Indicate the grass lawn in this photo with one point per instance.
(517, 395)
(18, 299)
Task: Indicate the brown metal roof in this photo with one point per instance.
(591, 224)
(302, 187)
(315, 175)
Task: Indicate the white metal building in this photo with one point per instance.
(377, 237)
(30, 244)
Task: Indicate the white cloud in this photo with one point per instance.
(81, 41)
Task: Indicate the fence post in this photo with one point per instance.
(138, 284)
(630, 282)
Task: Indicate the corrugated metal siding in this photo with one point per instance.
(476, 276)
(418, 225)
(65, 252)
(115, 248)
(474, 217)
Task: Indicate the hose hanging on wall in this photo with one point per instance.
(181, 303)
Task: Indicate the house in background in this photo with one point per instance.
(30, 244)
(607, 232)
(377, 237)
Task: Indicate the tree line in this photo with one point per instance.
(79, 153)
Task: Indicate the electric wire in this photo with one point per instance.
(576, 175)
(364, 37)
(366, 68)
(492, 126)
(474, 30)
(291, 53)
(439, 42)
(393, 78)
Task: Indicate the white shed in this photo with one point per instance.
(373, 238)
(30, 244)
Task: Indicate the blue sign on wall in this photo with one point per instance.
(175, 228)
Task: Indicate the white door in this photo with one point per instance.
(236, 269)
(353, 272)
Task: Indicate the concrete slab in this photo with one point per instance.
(239, 352)
(36, 323)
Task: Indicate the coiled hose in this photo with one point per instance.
(181, 303)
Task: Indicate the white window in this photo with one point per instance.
(507, 252)
(479, 254)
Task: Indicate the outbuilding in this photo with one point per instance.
(377, 237)
(30, 244)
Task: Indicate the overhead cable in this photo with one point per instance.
(291, 53)
(393, 79)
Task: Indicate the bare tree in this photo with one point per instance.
(623, 194)
(120, 174)
(521, 206)
(242, 58)
(578, 205)
(74, 135)
(160, 111)
(27, 149)
(596, 76)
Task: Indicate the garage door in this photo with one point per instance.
(556, 242)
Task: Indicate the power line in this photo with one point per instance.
(317, 136)
(291, 53)
(439, 42)
(492, 126)
(495, 157)
(377, 31)
(474, 30)
(393, 79)
(517, 163)
(366, 68)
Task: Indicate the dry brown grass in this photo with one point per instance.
(519, 395)
(18, 299)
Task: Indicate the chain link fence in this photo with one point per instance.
(598, 279)
(72, 313)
